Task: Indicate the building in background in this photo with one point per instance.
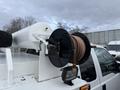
(103, 37)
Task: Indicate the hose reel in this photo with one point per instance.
(64, 48)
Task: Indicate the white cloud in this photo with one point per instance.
(85, 12)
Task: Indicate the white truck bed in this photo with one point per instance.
(53, 84)
(25, 70)
(23, 64)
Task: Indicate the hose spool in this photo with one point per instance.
(64, 48)
(5, 39)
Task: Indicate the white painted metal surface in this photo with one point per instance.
(110, 81)
(9, 65)
(113, 48)
(23, 64)
(54, 84)
(46, 69)
(29, 37)
(25, 71)
(114, 43)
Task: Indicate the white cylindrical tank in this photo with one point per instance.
(29, 36)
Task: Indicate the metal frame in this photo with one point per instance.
(9, 62)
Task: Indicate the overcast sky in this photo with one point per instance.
(89, 13)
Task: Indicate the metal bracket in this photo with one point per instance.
(9, 65)
(41, 40)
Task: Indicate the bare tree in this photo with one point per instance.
(71, 28)
(64, 26)
(19, 23)
(29, 21)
